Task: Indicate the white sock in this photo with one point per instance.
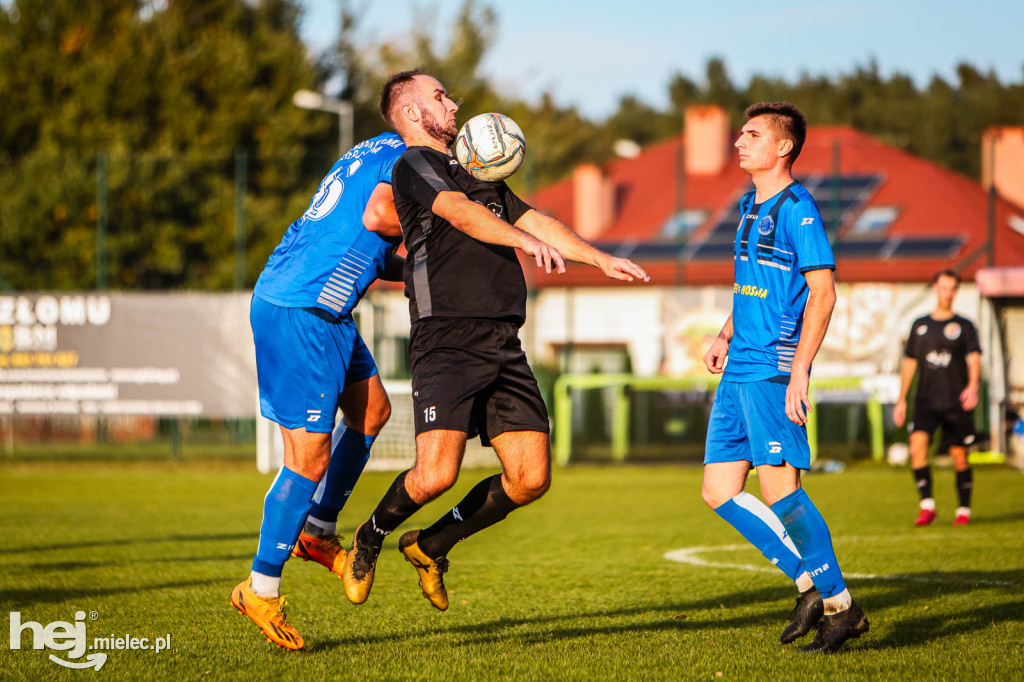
(265, 586)
(838, 603)
(804, 582)
(928, 503)
(966, 511)
(320, 528)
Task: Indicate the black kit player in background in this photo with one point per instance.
(945, 346)
(467, 300)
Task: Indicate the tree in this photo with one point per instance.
(166, 93)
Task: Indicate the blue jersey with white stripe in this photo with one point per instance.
(776, 243)
(327, 258)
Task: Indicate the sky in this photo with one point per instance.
(589, 54)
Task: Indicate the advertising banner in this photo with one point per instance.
(159, 354)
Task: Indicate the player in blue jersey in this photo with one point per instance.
(783, 297)
(311, 361)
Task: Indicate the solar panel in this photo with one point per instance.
(860, 248)
(927, 246)
(854, 182)
(643, 250)
(713, 251)
(728, 223)
(655, 251)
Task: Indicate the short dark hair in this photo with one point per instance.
(786, 121)
(946, 273)
(393, 88)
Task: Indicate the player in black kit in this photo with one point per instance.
(467, 300)
(945, 346)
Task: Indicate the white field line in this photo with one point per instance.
(688, 555)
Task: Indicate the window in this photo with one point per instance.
(683, 223)
(874, 221)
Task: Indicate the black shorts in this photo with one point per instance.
(957, 425)
(471, 374)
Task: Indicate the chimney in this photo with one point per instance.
(706, 139)
(1002, 162)
(593, 201)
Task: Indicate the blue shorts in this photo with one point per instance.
(748, 422)
(303, 363)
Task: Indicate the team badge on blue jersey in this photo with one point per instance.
(766, 225)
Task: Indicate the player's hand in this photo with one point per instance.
(547, 256)
(969, 398)
(899, 412)
(714, 359)
(798, 405)
(623, 269)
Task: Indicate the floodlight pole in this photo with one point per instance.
(314, 101)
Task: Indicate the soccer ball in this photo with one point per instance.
(490, 147)
(898, 454)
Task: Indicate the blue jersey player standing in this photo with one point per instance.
(783, 297)
(311, 361)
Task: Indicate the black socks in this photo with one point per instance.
(964, 484)
(484, 505)
(393, 509)
(923, 478)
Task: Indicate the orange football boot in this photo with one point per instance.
(327, 552)
(268, 614)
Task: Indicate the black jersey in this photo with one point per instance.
(941, 348)
(447, 272)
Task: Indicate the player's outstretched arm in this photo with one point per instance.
(575, 247)
(907, 371)
(714, 359)
(479, 223)
(379, 215)
(821, 299)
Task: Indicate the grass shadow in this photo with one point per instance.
(211, 537)
(17, 599)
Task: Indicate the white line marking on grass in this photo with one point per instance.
(688, 555)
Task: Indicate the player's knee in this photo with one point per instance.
(311, 467)
(525, 486)
(712, 497)
(433, 483)
(533, 485)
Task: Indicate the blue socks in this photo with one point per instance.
(762, 528)
(284, 510)
(347, 462)
(813, 541)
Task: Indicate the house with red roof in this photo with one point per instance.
(891, 216)
(894, 220)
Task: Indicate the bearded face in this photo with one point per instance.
(434, 128)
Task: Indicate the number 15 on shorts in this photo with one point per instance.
(429, 413)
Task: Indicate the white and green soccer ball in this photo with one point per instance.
(490, 147)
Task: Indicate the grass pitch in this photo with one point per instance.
(576, 586)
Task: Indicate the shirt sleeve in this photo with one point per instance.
(387, 168)
(910, 350)
(813, 251)
(420, 177)
(515, 206)
(971, 343)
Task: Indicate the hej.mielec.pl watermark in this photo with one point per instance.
(71, 638)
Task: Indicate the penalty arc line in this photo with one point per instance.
(688, 555)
